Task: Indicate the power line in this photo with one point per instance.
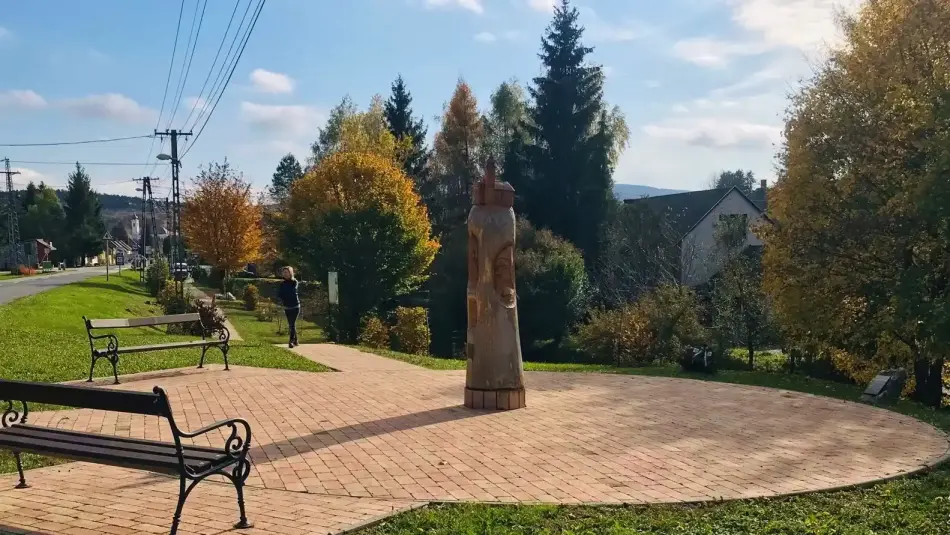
(224, 67)
(247, 37)
(168, 80)
(217, 54)
(86, 142)
(33, 162)
(186, 66)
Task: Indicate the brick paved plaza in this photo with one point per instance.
(332, 451)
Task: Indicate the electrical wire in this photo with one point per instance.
(186, 66)
(86, 142)
(223, 69)
(247, 37)
(168, 79)
(29, 162)
(217, 54)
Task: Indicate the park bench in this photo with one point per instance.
(112, 350)
(191, 464)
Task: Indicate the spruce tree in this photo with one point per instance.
(29, 196)
(570, 189)
(288, 171)
(403, 125)
(84, 225)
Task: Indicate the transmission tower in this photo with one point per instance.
(176, 239)
(13, 223)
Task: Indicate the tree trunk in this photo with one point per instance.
(751, 346)
(929, 382)
(791, 360)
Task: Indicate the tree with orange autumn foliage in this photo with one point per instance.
(220, 220)
(357, 213)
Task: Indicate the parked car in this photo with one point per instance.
(180, 271)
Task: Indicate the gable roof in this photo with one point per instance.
(687, 209)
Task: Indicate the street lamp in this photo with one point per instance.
(163, 157)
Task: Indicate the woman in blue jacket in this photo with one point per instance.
(287, 293)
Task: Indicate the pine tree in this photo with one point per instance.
(570, 190)
(84, 226)
(403, 125)
(288, 170)
(29, 196)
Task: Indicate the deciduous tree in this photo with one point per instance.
(859, 256)
(504, 121)
(358, 214)
(44, 218)
(743, 180)
(220, 220)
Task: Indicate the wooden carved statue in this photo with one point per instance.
(495, 377)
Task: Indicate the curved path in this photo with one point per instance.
(21, 287)
(382, 436)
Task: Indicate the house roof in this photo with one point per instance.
(687, 209)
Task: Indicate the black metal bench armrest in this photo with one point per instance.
(223, 334)
(236, 446)
(11, 416)
(113, 341)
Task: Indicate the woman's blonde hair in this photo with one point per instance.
(289, 270)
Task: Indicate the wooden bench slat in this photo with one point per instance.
(197, 455)
(85, 397)
(170, 345)
(122, 323)
(158, 463)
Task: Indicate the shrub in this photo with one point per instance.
(157, 276)
(673, 315)
(211, 316)
(199, 275)
(171, 302)
(26, 271)
(250, 297)
(412, 330)
(621, 336)
(266, 310)
(374, 333)
(551, 283)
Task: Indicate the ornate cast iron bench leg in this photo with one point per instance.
(115, 367)
(19, 469)
(238, 476)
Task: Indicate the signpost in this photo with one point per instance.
(333, 294)
(120, 259)
(106, 239)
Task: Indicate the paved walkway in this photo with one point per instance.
(23, 286)
(339, 449)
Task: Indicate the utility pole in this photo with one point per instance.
(176, 243)
(106, 239)
(13, 221)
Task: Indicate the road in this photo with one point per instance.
(22, 287)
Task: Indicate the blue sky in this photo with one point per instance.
(703, 83)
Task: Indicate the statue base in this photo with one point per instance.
(495, 400)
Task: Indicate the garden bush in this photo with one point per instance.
(621, 336)
(266, 310)
(171, 302)
(411, 331)
(157, 275)
(551, 284)
(374, 333)
(211, 316)
(199, 275)
(250, 296)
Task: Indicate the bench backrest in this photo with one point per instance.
(122, 323)
(148, 403)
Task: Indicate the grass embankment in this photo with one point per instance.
(266, 332)
(907, 506)
(43, 338)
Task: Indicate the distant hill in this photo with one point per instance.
(635, 191)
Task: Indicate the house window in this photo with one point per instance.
(732, 229)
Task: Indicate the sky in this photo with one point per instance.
(703, 83)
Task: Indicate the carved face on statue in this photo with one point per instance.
(504, 276)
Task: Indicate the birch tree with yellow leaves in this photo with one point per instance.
(858, 260)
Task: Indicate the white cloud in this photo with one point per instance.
(490, 37)
(475, 6)
(544, 6)
(112, 106)
(711, 52)
(5, 34)
(194, 103)
(608, 70)
(21, 98)
(806, 25)
(485, 37)
(294, 120)
(679, 108)
(30, 175)
(653, 84)
(598, 29)
(715, 132)
(271, 82)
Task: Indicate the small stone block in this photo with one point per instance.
(478, 400)
(491, 400)
(514, 399)
(468, 398)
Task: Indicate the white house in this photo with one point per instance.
(694, 217)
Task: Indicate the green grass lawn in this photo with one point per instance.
(907, 506)
(43, 338)
(266, 332)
